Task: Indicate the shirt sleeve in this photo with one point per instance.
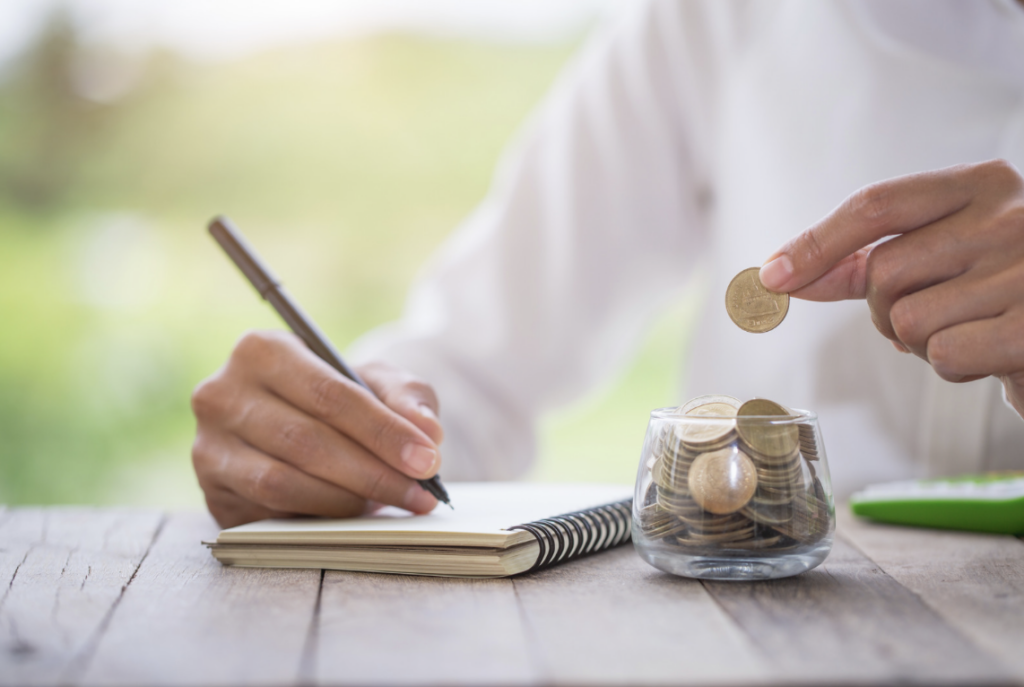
(594, 221)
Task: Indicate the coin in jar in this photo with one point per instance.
(718, 429)
(709, 399)
(769, 440)
(722, 481)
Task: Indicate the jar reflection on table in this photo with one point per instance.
(733, 498)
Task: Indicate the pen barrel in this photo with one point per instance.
(243, 255)
(306, 330)
(269, 287)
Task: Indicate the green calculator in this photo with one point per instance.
(979, 503)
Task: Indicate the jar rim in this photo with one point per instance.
(799, 416)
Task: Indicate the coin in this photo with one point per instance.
(694, 437)
(767, 542)
(722, 481)
(708, 399)
(751, 306)
(714, 434)
(769, 440)
(656, 523)
(808, 442)
(768, 515)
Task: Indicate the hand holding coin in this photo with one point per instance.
(949, 285)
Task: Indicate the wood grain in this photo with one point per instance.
(108, 596)
(848, 622)
(613, 619)
(396, 629)
(974, 581)
(186, 620)
(62, 572)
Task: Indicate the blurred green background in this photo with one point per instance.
(346, 161)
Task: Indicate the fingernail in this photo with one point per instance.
(900, 347)
(418, 500)
(420, 459)
(777, 273)
(427, 412)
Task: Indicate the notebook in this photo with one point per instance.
(497, 529)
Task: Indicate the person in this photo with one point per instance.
(687, 142)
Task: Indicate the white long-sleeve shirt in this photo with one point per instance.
(691, 140)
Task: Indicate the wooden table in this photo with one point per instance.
(119, 596)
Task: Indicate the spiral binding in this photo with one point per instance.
(580, 533)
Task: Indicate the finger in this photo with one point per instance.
(884, 209)
(317, 449)
(979, 348)
(846, 280)
(230, 510)
(917, 316)
(290, 370)
(275, 485)
(225, 463)
(407, 395)
(913, 262)
(898, 266)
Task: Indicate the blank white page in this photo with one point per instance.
(483, 512)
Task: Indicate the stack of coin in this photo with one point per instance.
(808, 442)
(735, 483)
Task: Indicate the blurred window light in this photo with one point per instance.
(121, 263)
(217, 29)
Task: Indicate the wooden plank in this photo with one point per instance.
(974, 581)
(613, 619)
(187, 620)
(848, 622)
(63, 571)
(20, 530)
(396, 629)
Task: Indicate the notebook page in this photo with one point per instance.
(482, 512)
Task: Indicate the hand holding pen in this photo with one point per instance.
(281, 431)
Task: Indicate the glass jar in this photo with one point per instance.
(733, 497)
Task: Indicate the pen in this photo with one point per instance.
(243, 255)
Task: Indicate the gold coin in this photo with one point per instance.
(729, 526)
(768, 515)
(722, 537)
(756, 543)
(669, 480)
(722, 481)
(772, 499)
(808, 443)
(751, 306)
(656, 523)
(762, 460)
(768, 440)
(699, 434)
(780, 473)
(708, 399)
(677, 504)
